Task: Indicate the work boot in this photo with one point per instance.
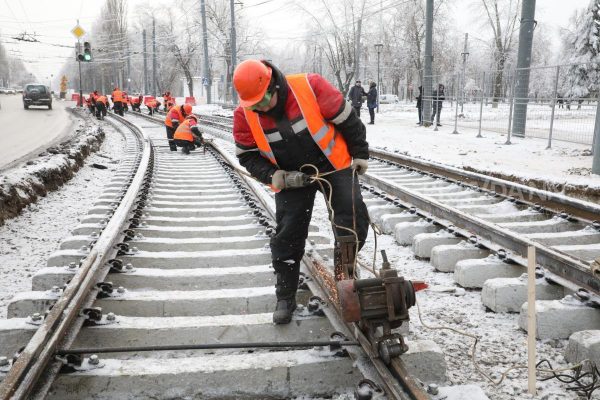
(285, 289)
(185, 150)
(284, 310)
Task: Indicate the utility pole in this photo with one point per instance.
(427, 73)
(145, 64)
(153, 57)
(205, 45)
(378, 46)
(465, 54)
(523, 63)
(357, 50)
(128, 70)
(233, 50)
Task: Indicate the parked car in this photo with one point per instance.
(2, 90)
(388, 99)
(11, 91)
(36, 94)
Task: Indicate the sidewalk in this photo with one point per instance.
(525, 160)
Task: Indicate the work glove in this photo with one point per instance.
(289, 179)
(360, 165)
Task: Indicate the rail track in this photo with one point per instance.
(494, 214)
(165, 291)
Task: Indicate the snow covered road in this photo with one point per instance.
(24, 132)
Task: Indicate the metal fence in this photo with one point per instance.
(479, 102)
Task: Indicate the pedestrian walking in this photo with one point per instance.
(372, 100)
(288, 129)
(438, 100)
(420, 105)
(355, 95)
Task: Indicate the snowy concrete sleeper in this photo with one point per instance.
(509, 294)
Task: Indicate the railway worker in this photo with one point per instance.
(153, 106)
(136, 103)
(117, 98)
(174, 117)
(188, 135)
(126, 102)
(92, 101)
(101, 106)
(168, 100)
(283, 125)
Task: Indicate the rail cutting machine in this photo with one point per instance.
(378, 304)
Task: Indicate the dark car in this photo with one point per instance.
(36, 94)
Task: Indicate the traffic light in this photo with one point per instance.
(87, 51)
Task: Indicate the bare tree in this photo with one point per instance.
(502, 18)
(335, 30)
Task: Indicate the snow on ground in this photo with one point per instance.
(27, 241)
(395, 129)
(502, 342)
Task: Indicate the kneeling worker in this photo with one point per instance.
(284, 124)
(187, 135)
(174, 117)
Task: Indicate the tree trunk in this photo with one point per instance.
(498, 81)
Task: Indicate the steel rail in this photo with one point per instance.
(560, 264)
(64, 318)
(398, 383)
(579, 208)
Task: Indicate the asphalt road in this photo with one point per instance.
(25, 133)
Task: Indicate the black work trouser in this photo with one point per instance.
(372, 114)
(100, 110)
(118, 107)
(135, 107)
(433, 116)
(185, 144)
(170, 133)
(294, 210)
(420, 109)
(357, 110)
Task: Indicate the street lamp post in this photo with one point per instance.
(378, 46)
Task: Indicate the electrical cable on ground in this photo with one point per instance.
(588, 389)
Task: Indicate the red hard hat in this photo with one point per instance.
(187, 109)
(251, 80)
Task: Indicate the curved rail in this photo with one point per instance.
(60, 326)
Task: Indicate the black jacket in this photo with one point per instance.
(438, 100)
(355, 95)
(372, 97)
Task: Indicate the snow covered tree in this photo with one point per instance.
(584, 76)
(502, 18)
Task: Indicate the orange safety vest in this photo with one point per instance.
(102, 99)
(117, 95)
(184, 131)
(330, 141)
(168, 118)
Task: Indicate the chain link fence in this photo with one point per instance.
(477, 102)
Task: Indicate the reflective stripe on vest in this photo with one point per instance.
(259, 136)
(331, 142)
(184, 131)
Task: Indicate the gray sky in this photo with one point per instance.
(52, 21)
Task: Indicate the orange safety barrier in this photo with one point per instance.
(75, 97)
(147, 99)
(190, 100)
